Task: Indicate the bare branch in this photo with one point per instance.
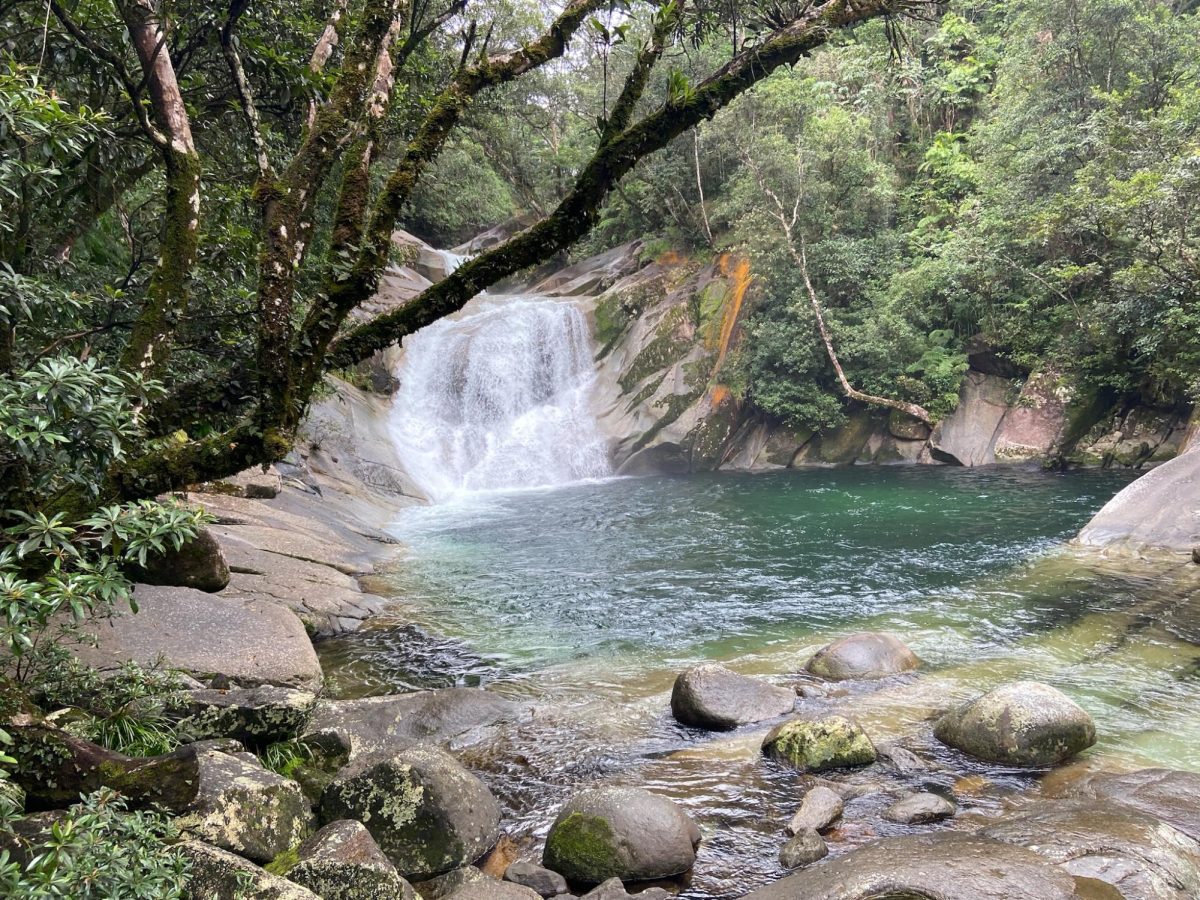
(242, 85)
(800, 256)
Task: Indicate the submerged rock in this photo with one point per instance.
(805, 848)
(944, 865)
(820, 808)
(245, 808)
(816, 745)
(903, 761)
(1165, 794)
(220, 875)
(920, 809)
(343, 862)
(626, 833)
(397, 722)
(867, 655)
(1141, 857)
(427, 813)
(1024, 723)
(545, 882)
(711, 696)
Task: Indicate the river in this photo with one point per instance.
(587, 599)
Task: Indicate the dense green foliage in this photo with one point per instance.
(1017, 172)
(98, 851)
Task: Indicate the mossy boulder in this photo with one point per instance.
(1023, 723)
(711, 696)
(866, 655)
(343, 862)
(244, 808)
(425, 811)
(819, 744)
(199, 564)
(220, 875)
(617, 832)
(255, 716)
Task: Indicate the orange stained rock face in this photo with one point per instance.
(720, 393)
(740, 279)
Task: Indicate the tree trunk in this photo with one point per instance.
(55, 767)
(167, 293)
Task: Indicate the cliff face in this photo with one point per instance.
(666, 330)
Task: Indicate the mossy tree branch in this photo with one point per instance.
(613, 159)
(268, 436)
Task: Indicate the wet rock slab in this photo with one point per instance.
(400, 721)
(1167, 794)
(944, 866)
(1142, 857)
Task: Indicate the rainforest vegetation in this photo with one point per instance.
(196, 200)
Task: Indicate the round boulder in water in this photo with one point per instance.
(815, 745)
(426, 812)
(805, 848)
(1024, 723)
(711, 696)
(616, 832)
(867, 655)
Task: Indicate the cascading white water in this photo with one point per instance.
(499, 397)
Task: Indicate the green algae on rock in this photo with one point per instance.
(625, 833)
(815, 745)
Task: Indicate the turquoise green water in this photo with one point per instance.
(587, 600)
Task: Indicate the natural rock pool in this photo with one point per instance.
(587, 600)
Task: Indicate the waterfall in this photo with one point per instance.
(497, 397)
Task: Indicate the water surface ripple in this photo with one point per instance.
(587, 600)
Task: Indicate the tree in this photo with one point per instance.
(385, 85)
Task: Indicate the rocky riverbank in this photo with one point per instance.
(984, 796)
